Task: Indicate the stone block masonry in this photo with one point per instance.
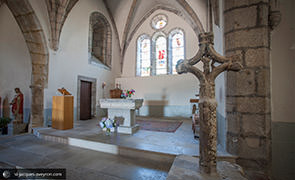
(247, 33)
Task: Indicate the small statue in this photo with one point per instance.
(103, 85)
(17, 105)
(63, 91)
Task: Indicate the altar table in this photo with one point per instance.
(124, 111)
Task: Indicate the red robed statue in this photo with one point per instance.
(17, 105)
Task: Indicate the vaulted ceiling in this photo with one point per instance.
(128, 15)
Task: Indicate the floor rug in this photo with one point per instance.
(161, 126)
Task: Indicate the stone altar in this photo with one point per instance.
(124, 111)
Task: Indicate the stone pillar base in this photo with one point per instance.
(225, 170)
(16, 128)
(127, 129)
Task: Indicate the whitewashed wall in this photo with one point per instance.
(71, 59)
(201, 9)
(282, 59)
(15, 61)
(164, 95)
(283, 65)
(220, 89)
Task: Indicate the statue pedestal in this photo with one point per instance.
(123, 110)
(17, 128)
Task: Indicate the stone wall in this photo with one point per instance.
(15, 63)
(247, 34)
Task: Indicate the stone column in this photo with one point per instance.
(37, 106)
(247, 33)
(39, 71)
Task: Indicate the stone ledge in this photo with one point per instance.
(186, 167)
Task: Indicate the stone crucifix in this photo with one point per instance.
(207, 104)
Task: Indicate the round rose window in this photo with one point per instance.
(159, 21)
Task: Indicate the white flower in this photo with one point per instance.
(109, 123)
(101, 124)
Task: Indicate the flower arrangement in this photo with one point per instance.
(127, 93)
(108, 124)
(4, 121)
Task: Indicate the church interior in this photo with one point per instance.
(152, 89)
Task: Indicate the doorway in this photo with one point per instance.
(85, 100)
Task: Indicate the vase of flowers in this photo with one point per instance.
(127, 93)
(108, 125)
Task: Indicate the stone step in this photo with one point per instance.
(122, 150)
(108, 148)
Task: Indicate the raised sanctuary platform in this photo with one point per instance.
(160, 146)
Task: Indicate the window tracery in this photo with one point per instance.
(159, 54)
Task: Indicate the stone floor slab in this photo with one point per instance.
(187, 167)
(79, 163)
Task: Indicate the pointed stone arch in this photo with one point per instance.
(36, 43)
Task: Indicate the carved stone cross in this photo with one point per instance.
(207, 104)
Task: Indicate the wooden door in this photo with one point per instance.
(85, 100)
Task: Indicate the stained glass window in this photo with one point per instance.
(177, 49)
(161, 55)
(144, 56)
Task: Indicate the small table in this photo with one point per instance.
(123, 109)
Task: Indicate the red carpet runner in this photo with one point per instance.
(161, 126)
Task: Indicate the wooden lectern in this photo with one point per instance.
(62, 112)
